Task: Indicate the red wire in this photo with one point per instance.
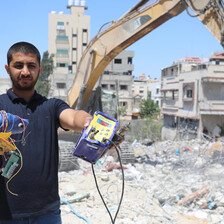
(23, 124)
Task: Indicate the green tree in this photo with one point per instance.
(122, 111)
(43, 84)
(148, 109)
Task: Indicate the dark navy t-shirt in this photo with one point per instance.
(37, 182)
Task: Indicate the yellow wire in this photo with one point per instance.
(12, 142)
(16, 172)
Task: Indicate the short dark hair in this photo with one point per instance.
(23, 47)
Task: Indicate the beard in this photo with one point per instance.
(18, 84)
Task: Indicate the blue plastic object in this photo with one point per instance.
(81, 217)
(94, 140)
(12, 123)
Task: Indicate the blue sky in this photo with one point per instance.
(182, 36)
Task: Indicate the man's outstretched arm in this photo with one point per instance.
(74, 119)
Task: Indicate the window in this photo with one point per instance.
(74, 62)
(141, 91)
(137, 99)
(189, 93)
(84, 44)
(117, 61)
(106, 72)
(62, 65)
(112, 87)
(164, 96)
(104, 86)
(61, 85)
(62, 37)
(61, 33)
(173, 95)
(123, 87)
(60, 26)
(61, 51)
(74, 35)
(61, 23)
(70, 69)
(157, 91)
(84, 30)
(123, 104)
(129, 60)
(74, 49)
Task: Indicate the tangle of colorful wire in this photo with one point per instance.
(21, 165)
(9, 143)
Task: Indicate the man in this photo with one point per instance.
(36, 199)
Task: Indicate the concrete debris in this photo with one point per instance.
(76, 198)
(194, 196)
(112, 166)
(168, 182)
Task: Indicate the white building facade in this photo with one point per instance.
(117, 80)
(193, 98)
(68, 38)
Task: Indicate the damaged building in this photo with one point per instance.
(193, 98)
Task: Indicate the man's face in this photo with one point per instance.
(24, 71)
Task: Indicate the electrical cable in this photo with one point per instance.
(122, 192)
(10, 143)
(79, 216)
(15, 174)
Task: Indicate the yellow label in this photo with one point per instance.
(102, 128)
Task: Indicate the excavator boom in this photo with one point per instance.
(140, 20)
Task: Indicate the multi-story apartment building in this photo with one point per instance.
(117, 81)
(142, 88)
(156, 93)
(193, 97)
(68, 38)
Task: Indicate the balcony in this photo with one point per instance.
(210, 107)
(169, 102)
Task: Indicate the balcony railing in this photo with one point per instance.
(212, 107)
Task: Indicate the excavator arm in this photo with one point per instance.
(140, 20)
(211, 14)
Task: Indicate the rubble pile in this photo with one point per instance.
(169, 182)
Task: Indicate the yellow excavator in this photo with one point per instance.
(116, 36)
(140, 20)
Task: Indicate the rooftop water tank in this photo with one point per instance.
(70, 3)
(83, 3)
(76, 2)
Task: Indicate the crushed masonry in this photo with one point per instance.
(166, 182)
